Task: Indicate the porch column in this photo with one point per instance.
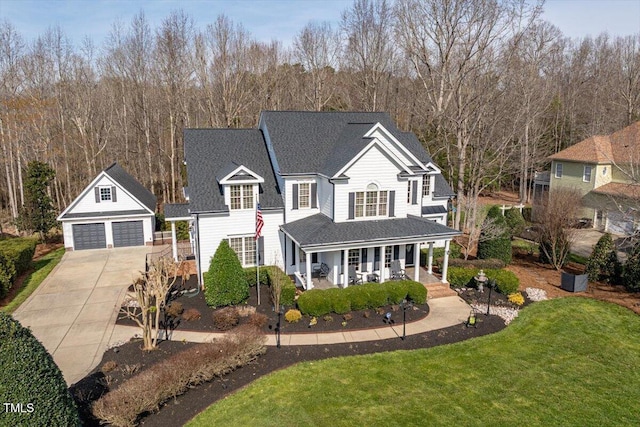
(308, 273)
(174, 243)
(345, 268)
(416, 262)
(445, 263)
(382, 260)
(430, 259)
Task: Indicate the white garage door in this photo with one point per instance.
(89, 236)
(128, 233)
(618, 223)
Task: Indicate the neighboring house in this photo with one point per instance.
(114, 210)
(603, 169)
(334, 188)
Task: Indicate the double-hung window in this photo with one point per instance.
(304, 195)
(372, 202)
(245, 248)
(388, 250)
(426, 185)
(241, 196)
(558, 170)
(586, 174)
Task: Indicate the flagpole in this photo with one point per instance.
(257, 253)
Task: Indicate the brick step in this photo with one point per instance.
(439, 291)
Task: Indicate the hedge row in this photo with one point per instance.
(172, 377)
(455, 251)
(506, 281)
(318, 302)
(20, 251)
(270, 273)
(492, 263)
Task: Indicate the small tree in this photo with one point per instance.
(603, 263)
(556, 216)
(225, 282)
(631, 270)
(495, 238)
(151, 292)
(37, 214)
(515, 221)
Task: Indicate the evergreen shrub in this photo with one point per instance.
(603, 264)
(225, 282)
(416, 292)
(20, 251)
(314, 303)
(515, 221)
(507, 282)
(495, 238)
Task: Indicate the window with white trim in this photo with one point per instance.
(558, 170)
(304, 195)
(388, 250)
(372, 202)
(241, 196)
(426, 185)
(105, 194)
(245, 248)
(586, 174)
(408, 192)
(354, 258)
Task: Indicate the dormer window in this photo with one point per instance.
(426, 185)
(105, 194)
(241, 197)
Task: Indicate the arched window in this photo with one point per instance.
(372, 202)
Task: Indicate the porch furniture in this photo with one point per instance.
(397, 273)
(322, 271)
(354, 277)
(373, 277)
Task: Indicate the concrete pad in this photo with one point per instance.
(77, 361)
(104, 295)
(58, 300)
(50, 316)
(81, 334)
(387, 333)
(331, 338)
(95, 313)
(50, 336)
(304, 339)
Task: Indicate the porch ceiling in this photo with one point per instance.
(319, 231)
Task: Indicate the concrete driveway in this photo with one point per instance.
(74, 310)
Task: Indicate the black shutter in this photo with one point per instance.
(396, 252)
(376, 258)
(261, 250)
(363, 260)
(352, 205)
(392, 203)
(415, 193)
(314, 195)
(293, 253)
(295, 196)
(97, 191)
(113, 194)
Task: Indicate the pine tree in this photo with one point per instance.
(37, 214)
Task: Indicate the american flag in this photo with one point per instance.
(259, 222)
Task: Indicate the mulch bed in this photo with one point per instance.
(129, 359)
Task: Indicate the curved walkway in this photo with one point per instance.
(443, 312)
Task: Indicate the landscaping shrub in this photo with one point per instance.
(376, 295)
(259, 320)
(292, 315)
(603, 264)
(268, 274)
(174, 309)
(7, 273)
(631, 270)
(495, 238)
(478, 263)
(340, 303)
(515, 221)
(460, 277)
(507, 282)
(20, 251)
(28, 374)
(226, 318)
(416, 292)
(314, 303)
(250, 273)
(358, 298)
(225, 282)
(397, 291)
(455, 251)
(191, 314)
(526, 213)
(146, 391)
(516, 298)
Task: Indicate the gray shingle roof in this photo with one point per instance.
(210, 151)
(320, 230)
(132, 185)
(431, 210)
(176, 210)
(442, 188)
(105, 214)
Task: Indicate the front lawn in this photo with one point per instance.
(569, 361)
(40, 269)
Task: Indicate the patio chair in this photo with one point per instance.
(323, 272)
(397, 273)
(354, 277)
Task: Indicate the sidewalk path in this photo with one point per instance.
(443, 312)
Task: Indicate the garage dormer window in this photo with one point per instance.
(241, 196)
(105, 194)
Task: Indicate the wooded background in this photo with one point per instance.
(489, 87)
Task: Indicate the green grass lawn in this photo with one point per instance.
(570, 361)
(41, 269)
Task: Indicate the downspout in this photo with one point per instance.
(198, 266)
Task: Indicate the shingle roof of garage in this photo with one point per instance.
(132, 185)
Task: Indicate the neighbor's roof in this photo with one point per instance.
(621, 147)
(132, 185)
(619, 189)
(323, 142)
(320, 230)
(209, 151)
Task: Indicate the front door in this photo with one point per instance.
(408, 257)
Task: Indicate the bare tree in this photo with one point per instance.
(556, 235)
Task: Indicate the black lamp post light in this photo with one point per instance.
(491, 284)
(405, 305)
(278, 326)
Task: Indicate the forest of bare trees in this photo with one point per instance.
(489, 87)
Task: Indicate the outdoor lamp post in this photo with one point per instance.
(278, 325)
(405, 305)
(491, 284)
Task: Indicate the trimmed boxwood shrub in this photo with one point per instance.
(397, 291)
(603, 264)
(29, 375)
(515, 221)
(340, 303)
(250, 274)
(416, 292)
(20, 251)
(376, 295)
(358, 298)
(460, 277)
(267, 275)
(314, 303)
(507, 282)
(225, 282)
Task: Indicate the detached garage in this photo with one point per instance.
(114, 211)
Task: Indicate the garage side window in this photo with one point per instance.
(105, 194)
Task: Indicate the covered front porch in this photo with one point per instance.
(423, 277)
(340, 255)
